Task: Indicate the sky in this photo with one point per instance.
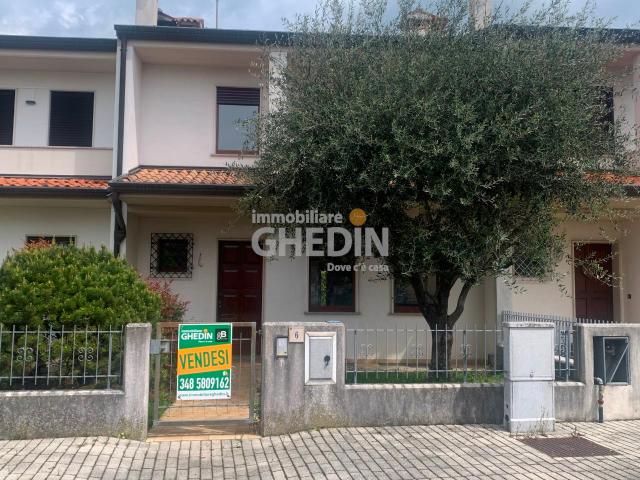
(95, 18)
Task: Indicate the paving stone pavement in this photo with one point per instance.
(417, 452)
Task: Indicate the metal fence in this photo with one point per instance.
(566, 353)
(422, 355)
(65, 358)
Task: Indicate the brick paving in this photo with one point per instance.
(418, 452)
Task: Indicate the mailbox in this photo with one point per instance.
(611, 360)
(320, 358)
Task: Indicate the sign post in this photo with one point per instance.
(204, 361)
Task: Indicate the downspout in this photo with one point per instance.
(121, 105)
(120, 227)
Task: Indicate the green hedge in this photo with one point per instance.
(53, 285)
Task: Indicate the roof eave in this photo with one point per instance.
(56, 192)
(199, 35)
(70, 44)
(178, 188)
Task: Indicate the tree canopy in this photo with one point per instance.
(470, 144)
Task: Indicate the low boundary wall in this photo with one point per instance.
(288, 405)
(77, 413)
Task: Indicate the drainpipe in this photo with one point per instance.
(600, 384)
(120, 230)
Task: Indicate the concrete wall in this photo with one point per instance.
(288, 405)
(78, 413)
(285, 280)
(30, 153)
(556, 296)
(621, 402)
(88, 220)
(170, 116)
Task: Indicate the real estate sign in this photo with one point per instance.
(204, 361)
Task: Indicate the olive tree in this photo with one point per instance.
(469, 144)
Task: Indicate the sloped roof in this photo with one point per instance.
(74, 185)
(185, 180)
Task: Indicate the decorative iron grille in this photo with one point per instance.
(171, 255)
(528, 267)
(62, 358)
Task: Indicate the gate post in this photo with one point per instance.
(136, 379)
(529, 376)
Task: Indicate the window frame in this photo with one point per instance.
(154, 255)
(33, 238)
(398, 308)
(218, 150)
(93, 118)
(311, 308)
(13, 117)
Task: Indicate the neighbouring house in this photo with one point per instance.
(126, 143)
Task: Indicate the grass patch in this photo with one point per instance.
(425, 377)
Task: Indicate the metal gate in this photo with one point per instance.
(241, 408)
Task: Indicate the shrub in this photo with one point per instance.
(173, 308)
(51, 285)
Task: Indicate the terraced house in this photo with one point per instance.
(127, 143)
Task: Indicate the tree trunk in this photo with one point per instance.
(441, 346)
(435, 309)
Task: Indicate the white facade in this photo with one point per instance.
(169, 120)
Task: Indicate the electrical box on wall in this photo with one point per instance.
(611, 360)
(320, 358)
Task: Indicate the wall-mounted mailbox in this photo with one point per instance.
(320, 358)
(282, 347)
(611, 360)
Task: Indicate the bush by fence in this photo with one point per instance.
(43, 286)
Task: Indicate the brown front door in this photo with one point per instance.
(239, 283)
(594, 298)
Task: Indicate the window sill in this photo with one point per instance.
(331, 313)
(406, 314)
(46, 147)
(235, 155)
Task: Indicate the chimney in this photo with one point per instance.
(423, 22)
(480, 13)
(147, 12)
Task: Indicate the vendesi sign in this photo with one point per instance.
(204, 361)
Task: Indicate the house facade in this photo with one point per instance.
(127, 143)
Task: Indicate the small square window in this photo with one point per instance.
(171, 255)
(52, 239)
(331, 290)
(404, 297)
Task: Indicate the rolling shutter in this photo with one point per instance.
(7, 106)
(71, 119)
(238, 96)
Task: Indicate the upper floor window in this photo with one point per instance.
(7, 108)
(71, 119)
(235, 107)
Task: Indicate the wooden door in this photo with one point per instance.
(593, 298)
(239, 283)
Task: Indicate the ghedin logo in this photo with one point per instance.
(319, 241)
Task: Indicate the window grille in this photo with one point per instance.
(171, 255)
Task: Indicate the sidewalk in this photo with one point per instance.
(420, 452)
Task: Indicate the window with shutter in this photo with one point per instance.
(7, 108)
(71, 119)
(236, 106)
